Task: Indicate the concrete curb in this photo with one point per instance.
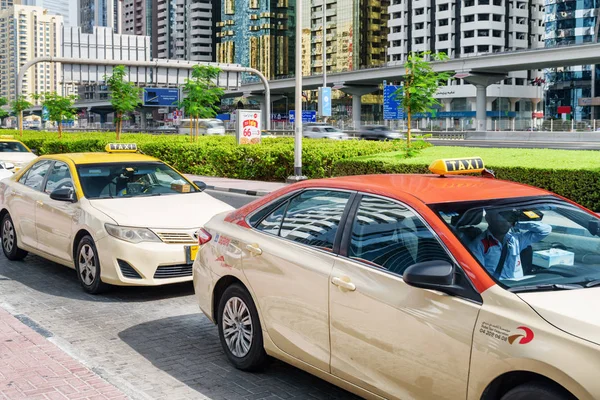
(258, 193)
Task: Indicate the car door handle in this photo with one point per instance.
(254, 249)
(343, 284)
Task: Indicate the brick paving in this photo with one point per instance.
(150, 343)
(33, 368)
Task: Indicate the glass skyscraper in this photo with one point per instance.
(568, 23)
(258, 34)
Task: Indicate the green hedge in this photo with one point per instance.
(219, 155)
(542, 168)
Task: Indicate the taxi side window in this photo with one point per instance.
(34, 178)
(391, 236)
(313, 217)
(59, 178)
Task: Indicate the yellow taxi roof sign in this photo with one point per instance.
(121, 148)
(7, 136)
(456, 166)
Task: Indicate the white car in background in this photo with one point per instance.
(15, 153)
(321, 131)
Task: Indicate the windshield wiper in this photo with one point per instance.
(593, 283)
(545, 287)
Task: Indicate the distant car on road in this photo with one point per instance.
(378, 132)
(318, 131)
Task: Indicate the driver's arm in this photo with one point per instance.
(533, 232)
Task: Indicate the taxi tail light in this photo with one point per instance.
(203, 236)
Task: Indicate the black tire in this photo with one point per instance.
(538, 390)
(87, 266)
(254, 357)
(10, 242)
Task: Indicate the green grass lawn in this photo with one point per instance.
(526, 158)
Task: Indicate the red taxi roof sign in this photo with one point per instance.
(457, 166)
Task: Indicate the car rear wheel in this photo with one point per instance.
(240, 330)
(9, 240)
(87, 265)
(538, 390)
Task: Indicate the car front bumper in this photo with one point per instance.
(144, 264)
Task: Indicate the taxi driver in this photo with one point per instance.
(498, 248)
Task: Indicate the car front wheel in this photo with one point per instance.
(87, 265)
(240, 330)
(538, 390)
(9, 240)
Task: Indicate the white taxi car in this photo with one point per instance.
(119, 217)
(14, 154)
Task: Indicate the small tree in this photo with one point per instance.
(202, 95)
(421, 83)
(59, 108)
(124, 96)
(3, 112)
(19, 105)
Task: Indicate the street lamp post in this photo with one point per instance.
(298, 99)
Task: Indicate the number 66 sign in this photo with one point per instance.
(248, 126)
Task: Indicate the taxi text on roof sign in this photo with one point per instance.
(455, 166)
(121, 148)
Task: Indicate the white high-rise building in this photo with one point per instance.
(468, 28)
(66, 8)
(28, 32)
(183, 29)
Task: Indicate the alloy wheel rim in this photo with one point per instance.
(237, 327)
(8, 236)
(87, 265)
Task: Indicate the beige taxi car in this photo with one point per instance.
(117, 217)
(411, 286)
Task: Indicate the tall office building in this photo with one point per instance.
(29, 32)
(105, 13)
(66, 8)
(258, 34)
(4, 4)
(183, 29)
(467, 28)
(567, 23)
(356, 34)
(137, 17)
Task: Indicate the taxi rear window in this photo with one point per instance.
(12, 147)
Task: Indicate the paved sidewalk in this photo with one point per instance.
(33, 368)
(252, 188)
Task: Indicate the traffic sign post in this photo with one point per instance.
(392, 106)
(308, 116)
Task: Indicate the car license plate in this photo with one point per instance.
(190, 253)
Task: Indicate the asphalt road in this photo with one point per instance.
(517, 144)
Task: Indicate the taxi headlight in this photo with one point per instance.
(132, 235)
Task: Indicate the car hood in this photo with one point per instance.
(19, 159)
(176, 211)
(573, 311)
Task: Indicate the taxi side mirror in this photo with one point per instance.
(63, 194)
(35, 151)
(201, 185)
(429, 274)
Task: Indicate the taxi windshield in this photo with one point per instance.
(529, 244)
(138, 179)
(12, 147)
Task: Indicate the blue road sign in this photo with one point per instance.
(161, 97)
(325, 102)
(392, 108)
(307, 116)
